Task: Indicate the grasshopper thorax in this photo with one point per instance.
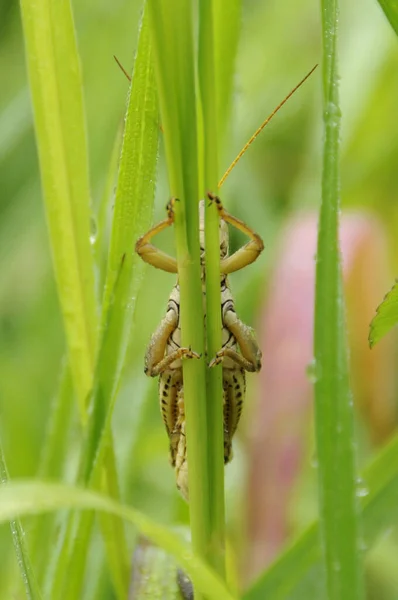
(224, 237)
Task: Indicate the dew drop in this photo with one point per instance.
(311, 371)
(93, 231)
(362, 492)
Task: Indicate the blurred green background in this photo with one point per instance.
(278, 178)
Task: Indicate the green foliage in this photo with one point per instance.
(299, 571)
(339, 523)
(386, 317)
(112, 436)
(390, 9)
(174, 65)
(55, 83)
(18, 499)
(31, 587)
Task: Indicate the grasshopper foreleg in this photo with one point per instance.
(249, 252)
(152, 255)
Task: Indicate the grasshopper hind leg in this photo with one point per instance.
(234, 389)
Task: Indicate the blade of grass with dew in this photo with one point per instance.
(334, 431)
(386, 317)
(132, 216)
(173, 41)
(101, 242)
(18, 537)
(299, 572)
(56, 88)
(75, 539)
(26, 498)
(214, 391)
(390, 9)
(227, 25)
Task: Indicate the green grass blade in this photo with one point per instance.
(18, 537)
(333, 402)
(386, 317)
(60, 130)
(101, 237)
(227, 24)
(55, 448)
(175, 70)
(214, 397)
(132, 216)
(56, 89)
(390, 9)
(298, 572)
(18, 499)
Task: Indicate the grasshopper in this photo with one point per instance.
(239, 351)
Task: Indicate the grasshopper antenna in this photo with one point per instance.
(263, 124)
(121, 67)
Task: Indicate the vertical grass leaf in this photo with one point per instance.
(214, 393)
(172, 34)
(132, 216)
(299, 571)
(227, 24)
(339, 523)
(56, 89)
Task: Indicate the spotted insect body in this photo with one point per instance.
(239, 351)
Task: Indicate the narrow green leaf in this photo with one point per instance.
(338, 506)
(214, 391)
(173, 41)
(390, 8)
(56, 88)
(18, 537)
(298, 572)
(101, 237)
(386, 317)
(54, 450)
(132, 216)
(25, 498)
(227, 25)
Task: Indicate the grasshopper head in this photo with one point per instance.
(223, 234)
